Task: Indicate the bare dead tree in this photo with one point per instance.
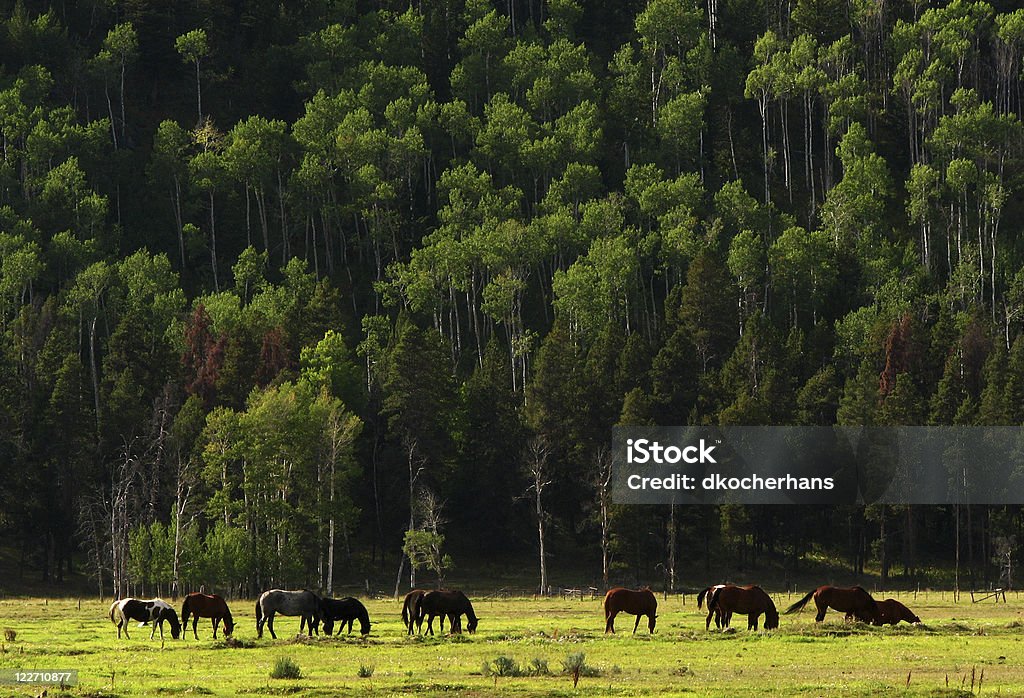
(417, 464)
(603, 460)
(124, 474)
(537, 469)
(93, 513)
(184, 513)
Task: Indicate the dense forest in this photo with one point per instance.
(287, 289)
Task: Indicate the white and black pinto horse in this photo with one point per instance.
(154, 611)
(288, 603)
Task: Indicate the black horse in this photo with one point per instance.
(345, 610)
(452, 604)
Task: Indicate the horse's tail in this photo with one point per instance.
(417, 612)
(184, 611)
(113, 607)
(259, 612)
(406, 621)
(713, 598)
(700, 598)
(801, 603)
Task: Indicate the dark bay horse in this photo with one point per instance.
(154, 611)
(712, 611)
(206, 606)
(892, 612)
(411, 610)
(345, 610)
(640, 603)
(452, 604)
(750, 600)
(288, 603)
(855, 602)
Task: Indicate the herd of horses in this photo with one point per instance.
(723, 600)
(752, 601)
(312, 609)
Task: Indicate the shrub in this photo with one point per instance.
(502, 666)
(575, 665)
(365, 671)
(538, 667)
(286, 668)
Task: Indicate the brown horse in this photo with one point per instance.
(892, 612)
(712, 611)
(411, 610)
(854, 602)
(450, 604)
(751, 600)
(206, 606)
(640, 603)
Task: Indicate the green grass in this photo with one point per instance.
(681, 659)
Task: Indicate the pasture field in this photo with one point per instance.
(955, 643)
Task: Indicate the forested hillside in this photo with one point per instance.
(281, 281)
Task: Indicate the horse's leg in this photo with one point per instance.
(752, 621)
(270, 624)
(637, 623)
(609, 624)
(216, 622)
(430, 624)
(822, 609)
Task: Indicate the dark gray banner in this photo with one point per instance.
(818, 465)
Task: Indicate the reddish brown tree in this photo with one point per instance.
(203, 355)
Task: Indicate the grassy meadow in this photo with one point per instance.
(955, 642)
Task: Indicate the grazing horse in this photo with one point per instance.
(892, 612)
(411, 610)
(640, 603)
(712, 611)
(452, 604)
(854, 602)
(751, 600)
(155, 611)
(346, 609)
(207, 606)
(288, 603)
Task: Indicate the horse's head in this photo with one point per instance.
(771, 619)
(653, 619)
(324, 608)
(172, 618)
(229, 624)
(471, 624)
(364, 625)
